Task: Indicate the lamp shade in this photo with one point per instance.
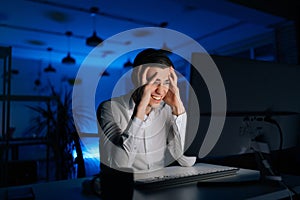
(166, 48)
(105, 73)
(68, 59)
(128, 63)
(49, 68)
(94, 40)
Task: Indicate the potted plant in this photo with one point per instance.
(55, 122)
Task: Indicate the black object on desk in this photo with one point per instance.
(116, 183)
(22, 193)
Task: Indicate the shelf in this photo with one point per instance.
(10, 146)
(24, 141)
(27, 98)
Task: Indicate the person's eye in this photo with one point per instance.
(157, 82)
(167, 82)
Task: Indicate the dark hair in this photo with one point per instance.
(148, 56)
(151, 55)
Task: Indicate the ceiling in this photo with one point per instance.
(32, 26)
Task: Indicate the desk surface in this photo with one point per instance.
(223, 188)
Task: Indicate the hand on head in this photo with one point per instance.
(143, 94)
(158, 84)
(148, 87)
(173, 96)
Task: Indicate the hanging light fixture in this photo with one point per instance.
(68, 59)
(166, 48)
(37, 82)
(94, 40)
(128, 63)
(49, 68)
(105, 73)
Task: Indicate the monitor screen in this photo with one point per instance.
(256, 91)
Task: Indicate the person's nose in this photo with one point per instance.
(160, 89)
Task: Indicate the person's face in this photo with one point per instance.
(161, 82)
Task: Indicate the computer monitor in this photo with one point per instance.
(263, 99)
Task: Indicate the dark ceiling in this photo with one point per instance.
(288, 9)
(31, 27)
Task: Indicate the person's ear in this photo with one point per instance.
(143, 75)
(135, 76)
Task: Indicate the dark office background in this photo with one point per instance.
(37, 82)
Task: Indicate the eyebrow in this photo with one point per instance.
(166, 81)
(158, 79)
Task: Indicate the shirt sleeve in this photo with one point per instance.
(180, 123)
(132, 134)
(177, 141)
(119, 144)
(176, 136)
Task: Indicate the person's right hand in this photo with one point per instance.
(143, 95)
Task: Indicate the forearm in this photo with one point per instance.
(178, 108)
(179, 128)
(140, 111)
(176, 147)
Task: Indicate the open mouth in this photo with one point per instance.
(157, 98)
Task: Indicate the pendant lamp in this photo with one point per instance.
(49, 68)
(93, 40)
(166, 48)
(128, 63)
(68, 59)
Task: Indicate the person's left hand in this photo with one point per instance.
(172, 97)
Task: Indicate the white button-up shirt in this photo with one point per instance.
(149, 144)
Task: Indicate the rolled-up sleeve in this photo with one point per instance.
(176, 137)
(180, 122)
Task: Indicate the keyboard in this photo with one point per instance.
(177, 175)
